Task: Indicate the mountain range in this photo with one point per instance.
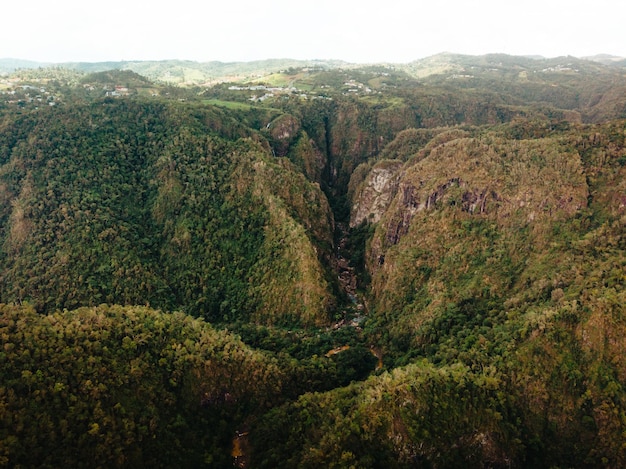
(192, 72)
(314, 264)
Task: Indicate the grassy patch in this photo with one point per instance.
(387, 101)
(227, 104)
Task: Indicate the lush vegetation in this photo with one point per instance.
(177, 207)
(115, 386)
(419, 266)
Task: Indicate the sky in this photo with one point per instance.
(365, 31)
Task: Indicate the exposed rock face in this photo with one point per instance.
(464, 194)
(505, 181)
(376, 193)
(471, 200)
(283, 132)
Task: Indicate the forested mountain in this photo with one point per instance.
(381, 266)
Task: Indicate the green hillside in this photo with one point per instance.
(144, 203)
(124, 387)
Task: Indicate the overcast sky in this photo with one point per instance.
(356, 31)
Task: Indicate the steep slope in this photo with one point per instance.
(332, 137)
(128, 202)
(466, 206)
(471, 214)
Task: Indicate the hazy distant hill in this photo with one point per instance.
(193, 72)
(10, 65)
(593, 90)
(607, 59)
(448, 62)
(182, 71)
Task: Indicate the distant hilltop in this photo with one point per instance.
(157, 69)
(195, 71)
(10, 65)
(607, 59)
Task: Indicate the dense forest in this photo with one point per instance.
(417, 266)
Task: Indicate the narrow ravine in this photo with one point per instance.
(353, 312)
